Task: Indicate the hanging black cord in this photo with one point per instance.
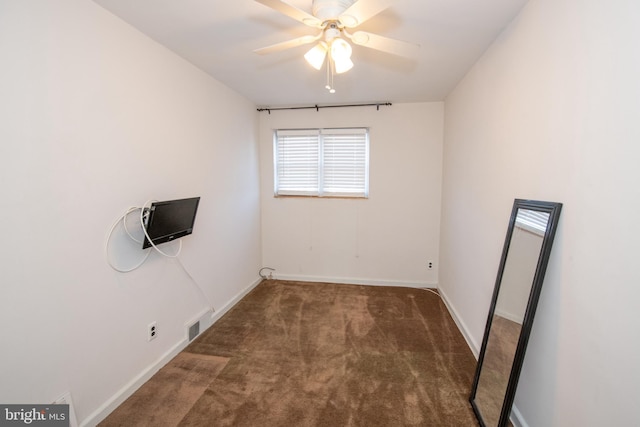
(318, 107)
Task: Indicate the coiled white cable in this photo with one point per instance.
(124, 223)
(176, 256)
(270, 276)
(122, 218)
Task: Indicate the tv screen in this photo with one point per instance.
(170, 220)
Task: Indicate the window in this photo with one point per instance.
(322, 162)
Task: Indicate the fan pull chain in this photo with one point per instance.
(330, 75)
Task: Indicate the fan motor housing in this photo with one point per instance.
(329, 9)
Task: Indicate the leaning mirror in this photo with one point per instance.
(525, 255)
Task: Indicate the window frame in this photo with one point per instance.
(319, 136)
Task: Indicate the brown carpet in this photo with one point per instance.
(317, 354)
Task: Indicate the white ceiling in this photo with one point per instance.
(219, 37)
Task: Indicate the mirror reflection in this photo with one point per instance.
(519, 280)
(506, 324)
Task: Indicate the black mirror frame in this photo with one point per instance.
(553, 209)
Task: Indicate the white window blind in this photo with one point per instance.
(322, 162)
(533, 221)
(297, 155)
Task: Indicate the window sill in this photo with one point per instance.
(304, 196)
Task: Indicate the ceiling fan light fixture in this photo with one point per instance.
(343, 65)
(334, 18)
(315, 56)
(340, 49)
(341, 55)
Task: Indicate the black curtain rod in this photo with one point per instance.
(318, 107)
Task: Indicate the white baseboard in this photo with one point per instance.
(473, 345)
(229, 305)
(125, 392)
(509, 316)
(355, 281)
(516, 418)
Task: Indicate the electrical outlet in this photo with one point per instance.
(152, 331)
(430, 265)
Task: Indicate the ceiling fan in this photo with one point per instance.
(333, 18)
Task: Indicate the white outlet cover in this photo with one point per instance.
(152, 331)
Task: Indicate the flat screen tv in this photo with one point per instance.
(170, 220)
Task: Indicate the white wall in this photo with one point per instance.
(551, 112)
(385, 239)
(97, 117)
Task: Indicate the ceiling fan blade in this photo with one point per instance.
(362, 10)
(287, 45)
(292, 12)
(385, 44)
